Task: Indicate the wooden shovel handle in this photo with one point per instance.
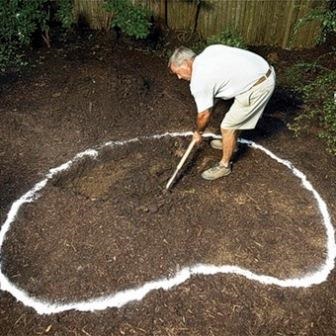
(179, 166)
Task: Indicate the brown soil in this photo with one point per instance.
(107, 224)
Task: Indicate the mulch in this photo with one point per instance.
(107, 224)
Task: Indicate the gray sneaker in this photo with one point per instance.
(217, 144)
(216, 172)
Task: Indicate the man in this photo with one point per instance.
(225, 72)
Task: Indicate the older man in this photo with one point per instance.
(225, 72)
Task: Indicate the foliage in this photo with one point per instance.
(329, 122)
(65, 13)
(325, 14)
(131, 19)
(19, 20)
(227, 37)
(300, 73)
(319, 100)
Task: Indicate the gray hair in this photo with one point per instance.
(180, 55)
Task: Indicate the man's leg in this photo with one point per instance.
(223, 168)
(229, 143)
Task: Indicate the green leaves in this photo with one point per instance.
(318, 97)
(131, 19)
(65, 13)
(326, 15)
(227, 37)
(19, 19)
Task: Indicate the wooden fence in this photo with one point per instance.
(258, 22)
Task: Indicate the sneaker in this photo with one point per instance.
(216, 172)
(217, 144)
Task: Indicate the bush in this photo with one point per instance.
(320, 103)
(20, 19)
(131, 19)
(329, 122)
(325, 13)
(298, 74)
(65, 13)
(227, 37)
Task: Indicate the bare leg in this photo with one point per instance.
(229, 143)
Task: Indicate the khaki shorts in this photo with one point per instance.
(248, 107)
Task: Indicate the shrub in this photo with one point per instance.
(325, 13)
(298, 74)
(320, 103)
(329, 123)
(65, 13)
(19, 19)
(131, 19)
(227, 37)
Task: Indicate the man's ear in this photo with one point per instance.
(183, 65)
(189, 63)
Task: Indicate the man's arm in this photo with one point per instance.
(201, 124)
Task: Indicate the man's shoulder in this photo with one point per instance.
(215, 49)
(213, 52)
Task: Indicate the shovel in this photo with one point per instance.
(179, 166)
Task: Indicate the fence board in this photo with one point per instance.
(93, 13)
(264, 17)
(259, 22)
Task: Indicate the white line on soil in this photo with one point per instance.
(136, 294)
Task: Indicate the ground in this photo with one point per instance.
(107, 224)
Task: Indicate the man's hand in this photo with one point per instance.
(197, 137)
(201, 124)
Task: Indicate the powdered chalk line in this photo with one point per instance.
(121, 298)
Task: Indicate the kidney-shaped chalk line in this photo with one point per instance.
(121, 298)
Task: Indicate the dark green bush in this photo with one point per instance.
(227, 37)
(325, 13)
(319, 94)
(65, 13)
(131, 19)
(299, 74)
(319, 100)
(20, 19)
(319, 97)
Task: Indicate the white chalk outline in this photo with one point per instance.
(135, 294)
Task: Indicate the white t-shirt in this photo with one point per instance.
(224, 72)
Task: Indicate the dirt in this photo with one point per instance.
(107, 223)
